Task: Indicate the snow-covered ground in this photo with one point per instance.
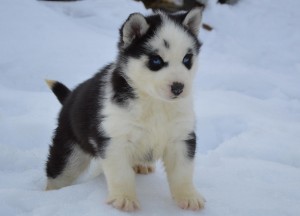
(247, 100)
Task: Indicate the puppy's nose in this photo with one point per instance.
(177, 88)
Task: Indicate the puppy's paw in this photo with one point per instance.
(140, 169)
(124, 203)
(193, 202)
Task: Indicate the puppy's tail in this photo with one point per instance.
(60, 90)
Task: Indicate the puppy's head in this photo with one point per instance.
(158, 53)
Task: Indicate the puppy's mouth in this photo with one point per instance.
(177, 97)
(170, 99)
(173, 98)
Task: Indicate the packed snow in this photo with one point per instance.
(247, 102)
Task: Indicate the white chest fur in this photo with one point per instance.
(147, 127)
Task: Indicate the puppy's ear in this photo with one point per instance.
(193, 19)
(134, 27)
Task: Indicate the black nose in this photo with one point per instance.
(177, 88)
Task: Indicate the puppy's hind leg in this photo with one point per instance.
(65, 163)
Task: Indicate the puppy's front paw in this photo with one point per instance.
(193, 202)
(124, 203)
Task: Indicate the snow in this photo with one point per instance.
(247, 102)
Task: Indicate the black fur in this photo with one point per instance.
(191, 144)
(122, 91)
(59, 153)
(78, 121)
(166, 44)
(60, 91)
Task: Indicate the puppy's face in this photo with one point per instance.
(160, 53)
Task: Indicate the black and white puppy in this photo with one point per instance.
(134, 111)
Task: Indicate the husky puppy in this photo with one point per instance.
(134, 111)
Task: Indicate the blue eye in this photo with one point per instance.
(187, 60)
(155, 62)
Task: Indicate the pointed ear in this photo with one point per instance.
(134, 27)
(192, 20)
